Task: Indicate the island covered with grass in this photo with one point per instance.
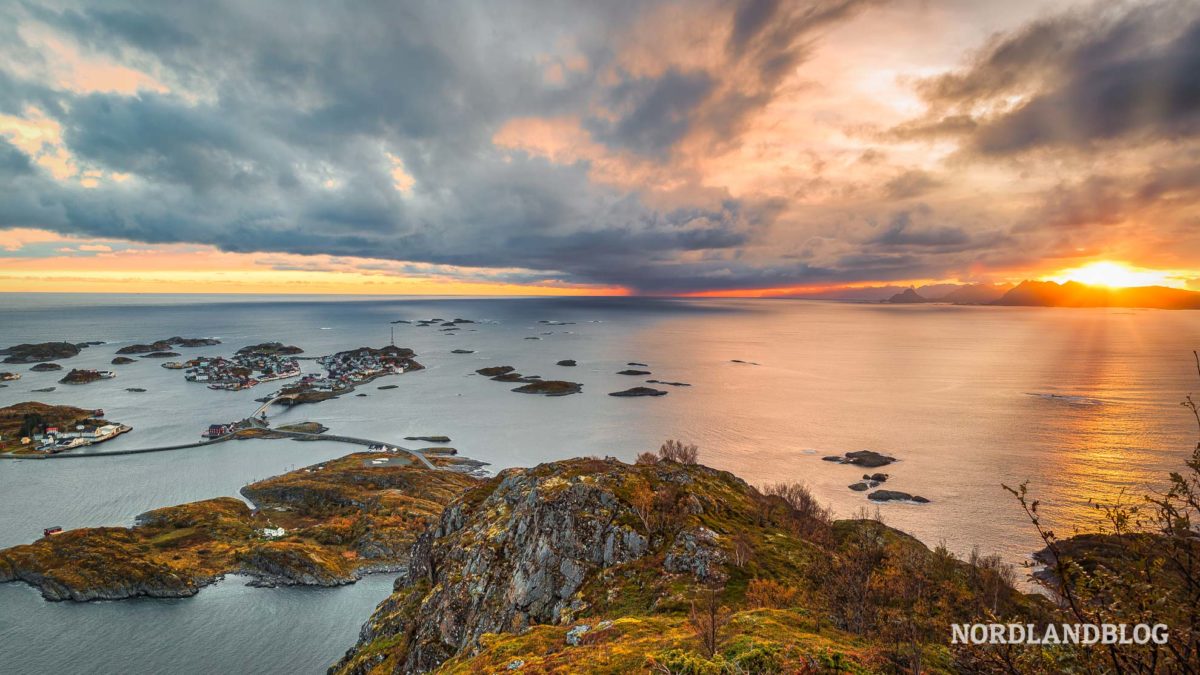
(24, 427)
(323, 525)
(40, 352)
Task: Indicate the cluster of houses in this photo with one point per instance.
(240, 372)
(55, 439)
(346, 369)
(364, 364)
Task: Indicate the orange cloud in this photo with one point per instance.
(73, 70)
(111, 267)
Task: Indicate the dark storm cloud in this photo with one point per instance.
(285, 122)
(163, 137)
(656, 111)
(768, 39)
(12, 160)
(284, 118)
(1102, 73)
(99, 27)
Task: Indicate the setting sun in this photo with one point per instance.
(1117, 275)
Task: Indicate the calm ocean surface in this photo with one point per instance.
(961, 395)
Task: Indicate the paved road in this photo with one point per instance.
(263, 408)
(112, 453)
(254, 419)
(356, 441)
(289, 434)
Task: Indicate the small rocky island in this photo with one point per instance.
(45, 368)
(270, 349)
(39, 352)
(191, 342)
(669, 384)
(865, 458)
(323, 525)
(33, 428)
(122, 361)
(167, 345)
(895, 496)
(550, 388)
(532, 384)
(160, 346)
(639, 391)
(86, 376)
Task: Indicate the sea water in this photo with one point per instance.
(1082, 403)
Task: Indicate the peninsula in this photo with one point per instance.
(581, 562)
(323, 525)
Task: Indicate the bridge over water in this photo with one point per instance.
(256, 420)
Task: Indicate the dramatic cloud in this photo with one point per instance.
(1104, 72)
(659, 146)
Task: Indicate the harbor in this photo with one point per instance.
(40, 429)
(242, 371)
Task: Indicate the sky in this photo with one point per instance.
(749, 147)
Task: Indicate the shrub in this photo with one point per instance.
(679, 662)
(679, 452)
(1144, 567)
(669, 510)
(770, 593)
(751, 656)
(807, 516)
(847, 580)
(646, 458)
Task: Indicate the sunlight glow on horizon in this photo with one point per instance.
(1114, 274)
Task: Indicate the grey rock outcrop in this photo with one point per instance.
(513, 559)
(698, 552)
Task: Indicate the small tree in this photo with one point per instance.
(989, 578)
(707, 618)
(743, 550)
(642, 499)
(849, 579)
(32, 423)
(646, 458)
(670, 515)
(807, 517)
(679, 452)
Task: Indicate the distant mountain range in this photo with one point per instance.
(1053, 294)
